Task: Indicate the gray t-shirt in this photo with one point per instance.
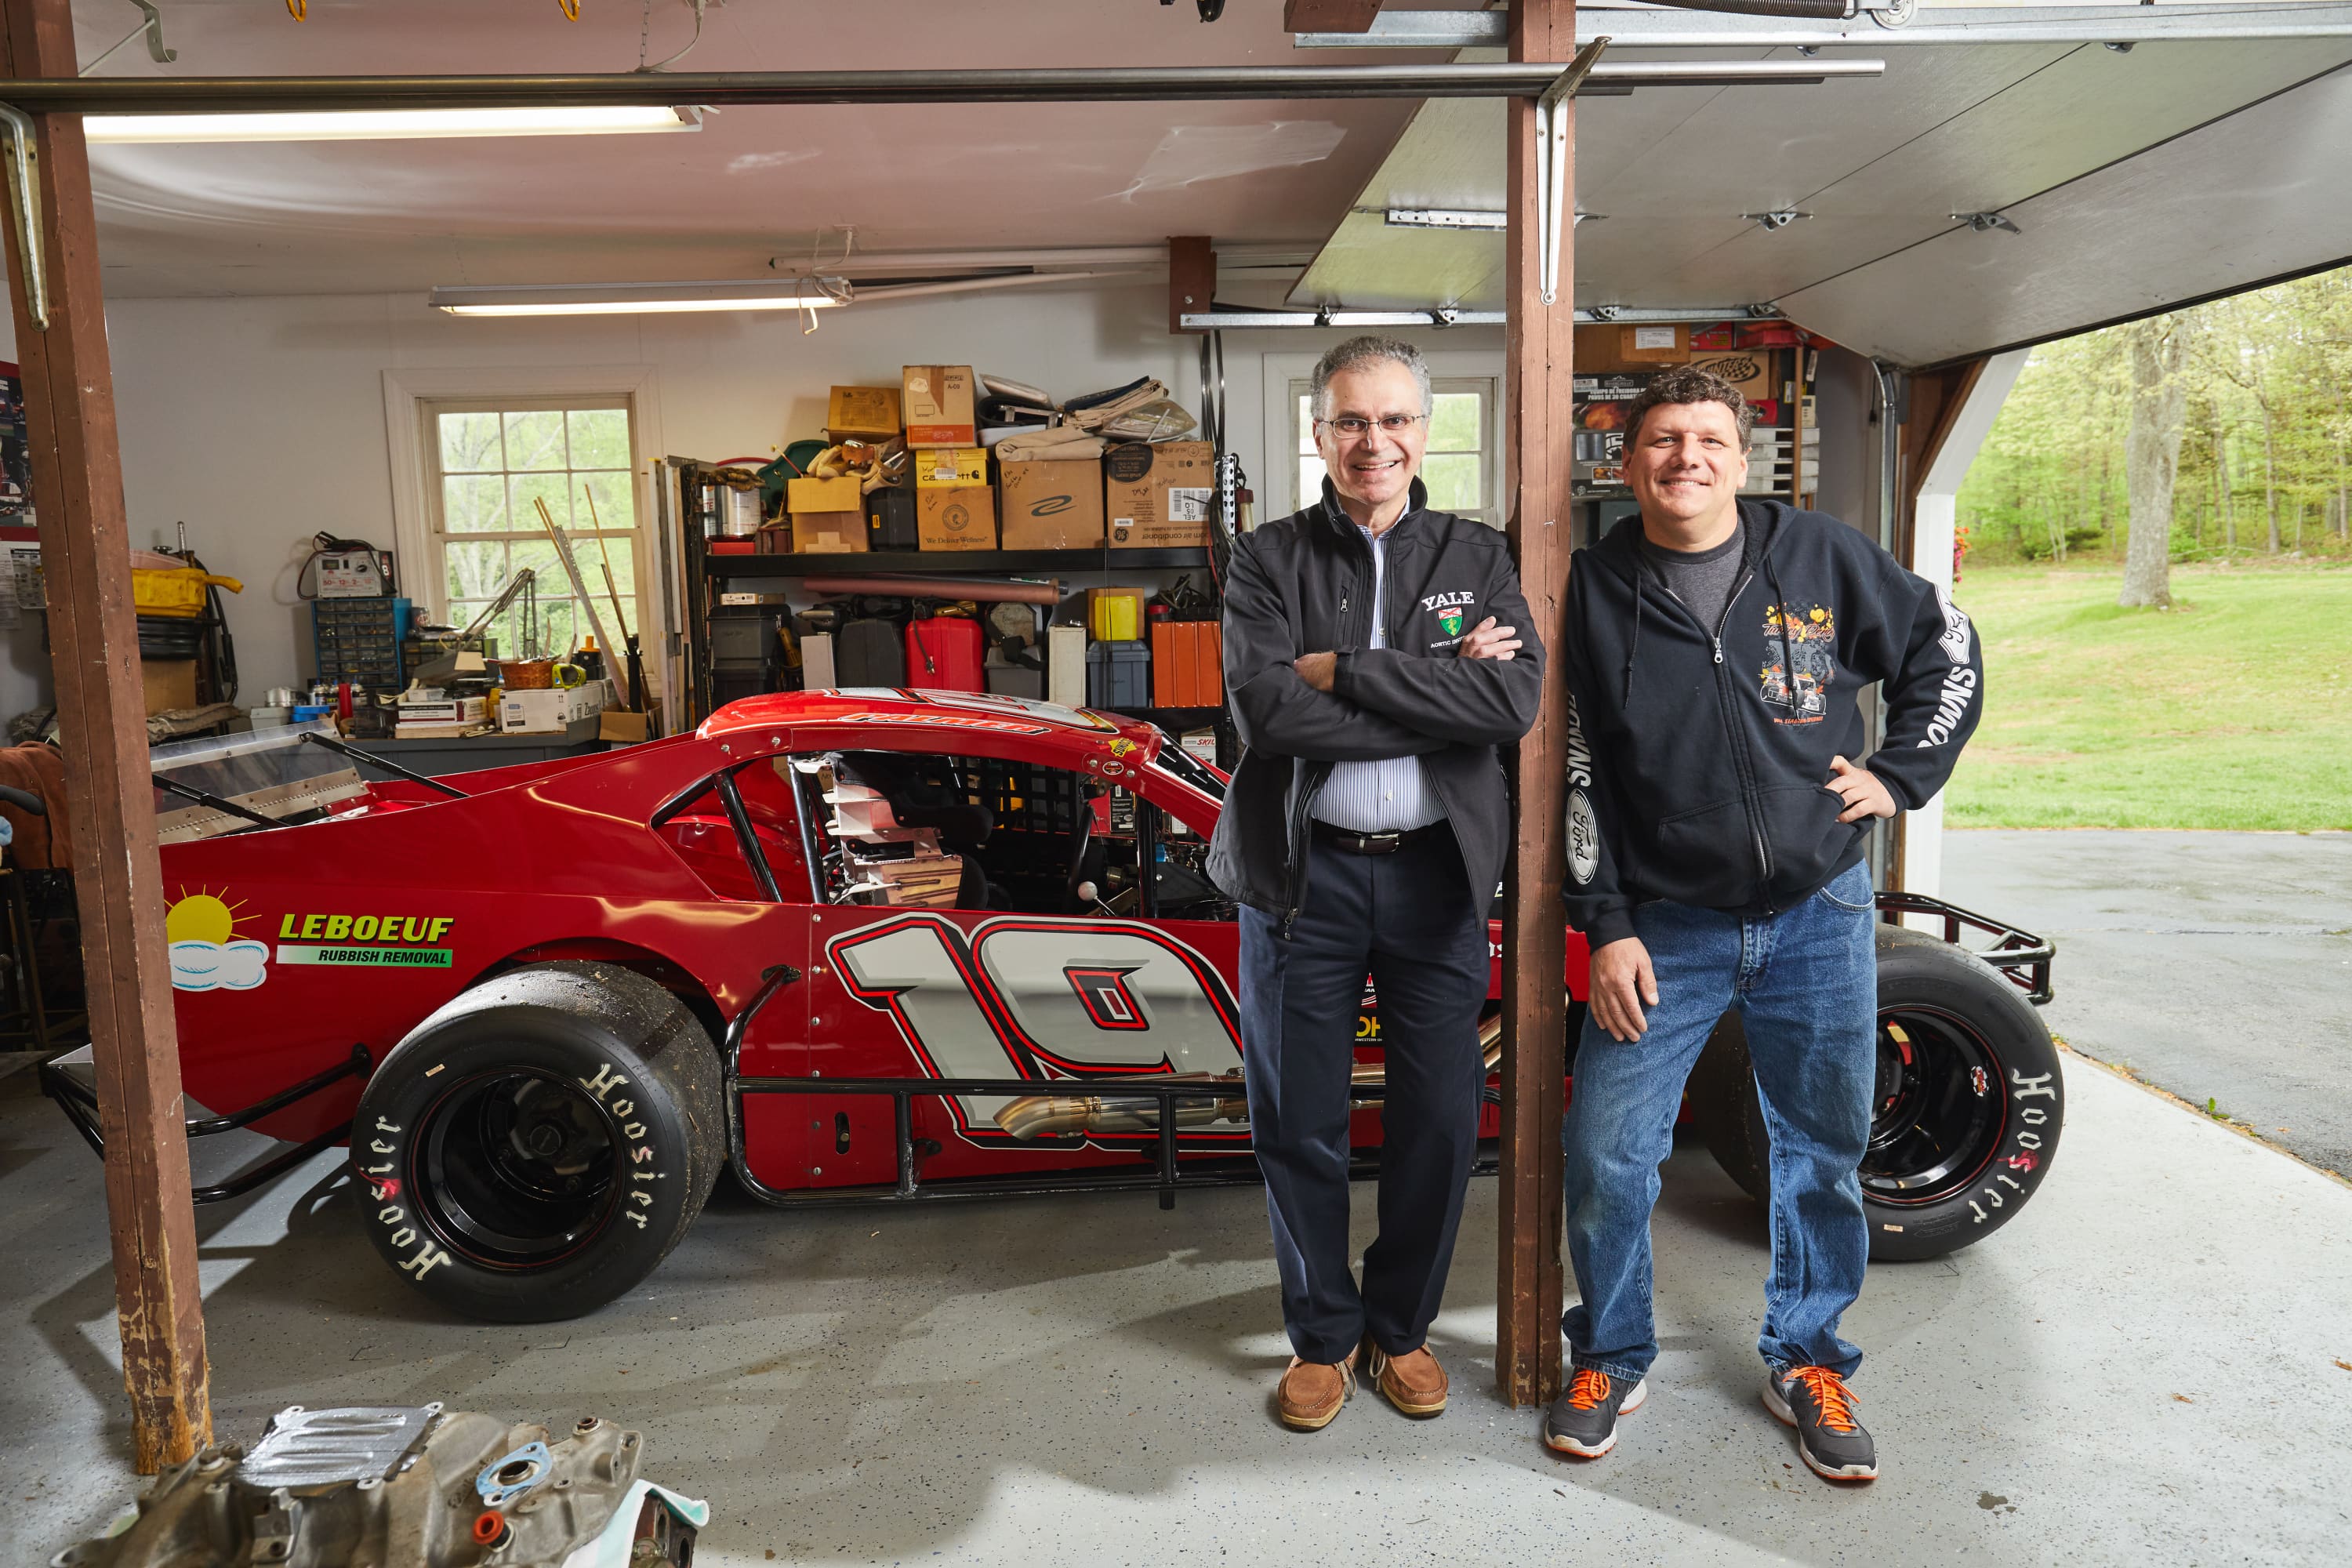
(1701, 578)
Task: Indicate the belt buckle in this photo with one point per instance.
(1387, 842)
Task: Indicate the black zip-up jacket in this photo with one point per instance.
(1302, 586)
(1697, 767)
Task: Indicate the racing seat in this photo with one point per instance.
(962, 825)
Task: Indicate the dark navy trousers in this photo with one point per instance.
(1409, 921)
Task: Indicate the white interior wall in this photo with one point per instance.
(261, 422)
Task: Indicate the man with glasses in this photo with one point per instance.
(1376, 653)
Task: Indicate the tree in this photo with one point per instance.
(2159, 399)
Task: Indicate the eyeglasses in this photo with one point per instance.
(1353, 425)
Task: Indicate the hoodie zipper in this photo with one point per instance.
(1743, 760)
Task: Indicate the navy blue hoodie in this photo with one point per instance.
(1698, 756)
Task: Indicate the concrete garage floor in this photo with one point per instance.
(2145, 1366)
(2217, 965)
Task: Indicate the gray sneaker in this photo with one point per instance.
(1583, 1420)
(1818, 1404)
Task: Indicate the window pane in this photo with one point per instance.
(617, 553)
(535, 440)
(600, 438)
(474, 503)
(1310, 481)
(617, 500)
(508, 636)
(470, 443)
(555, 489)
(1305, 423)
(1455, 425)
(476, 571)
(1453, 481)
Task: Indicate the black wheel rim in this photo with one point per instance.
(515, 1169)
(1941, 1108)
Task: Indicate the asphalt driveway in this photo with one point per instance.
(2217, 966)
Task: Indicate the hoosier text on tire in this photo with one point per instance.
(538, 1145)
(1969, 1104)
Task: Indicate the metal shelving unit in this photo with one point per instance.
(953, 562)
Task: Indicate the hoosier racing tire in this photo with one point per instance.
(1970, 1099)
(537, 1146)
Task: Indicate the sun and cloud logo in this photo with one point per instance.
(206, 953)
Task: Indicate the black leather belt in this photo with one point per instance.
(1356, 843)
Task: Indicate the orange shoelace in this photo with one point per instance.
(1589, 1389)
(1830, 1391)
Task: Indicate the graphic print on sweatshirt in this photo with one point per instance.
(1802, 694)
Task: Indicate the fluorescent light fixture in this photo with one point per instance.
(630, 298)
(390, 124)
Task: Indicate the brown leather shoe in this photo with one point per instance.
(1311, 1393)
(1413, 1382)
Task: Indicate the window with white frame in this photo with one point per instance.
(490, 465)
(1458, 467)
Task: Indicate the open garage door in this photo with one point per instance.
(1980, 195)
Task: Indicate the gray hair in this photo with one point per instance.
(1358, 352)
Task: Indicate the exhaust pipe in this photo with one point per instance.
(1059, 1115)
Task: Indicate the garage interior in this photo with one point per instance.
(1085, 1374)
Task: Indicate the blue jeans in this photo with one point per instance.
(1805, 983)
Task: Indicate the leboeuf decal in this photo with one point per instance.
(382, 942)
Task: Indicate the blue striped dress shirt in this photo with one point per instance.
(1393, 794)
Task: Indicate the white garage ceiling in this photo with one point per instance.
(333, 218)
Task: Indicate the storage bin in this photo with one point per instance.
(1118, 674)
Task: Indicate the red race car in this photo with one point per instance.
(859, 946)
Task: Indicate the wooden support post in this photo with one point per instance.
(1191, 277)
(76, 482)
(1539, 448)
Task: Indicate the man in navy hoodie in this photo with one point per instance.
(1717, 823)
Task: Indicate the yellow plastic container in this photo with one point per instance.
(180, 592)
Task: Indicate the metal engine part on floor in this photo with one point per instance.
(371, 1486)
(1059, 1116)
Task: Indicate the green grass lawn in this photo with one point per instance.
(2231, 711)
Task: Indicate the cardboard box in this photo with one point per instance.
(449, 710)
(1751, 373)
(862, 411)
(829, 532)
(1158, 495)
(550, 710)
(1052, 505)
(954, 507)
(1653, 344)
(939, 406)
(624, 728)
(1066, 666)
(170, 682)
(844, 494)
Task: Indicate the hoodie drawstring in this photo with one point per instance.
(1780, 619)
(1634, 647)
